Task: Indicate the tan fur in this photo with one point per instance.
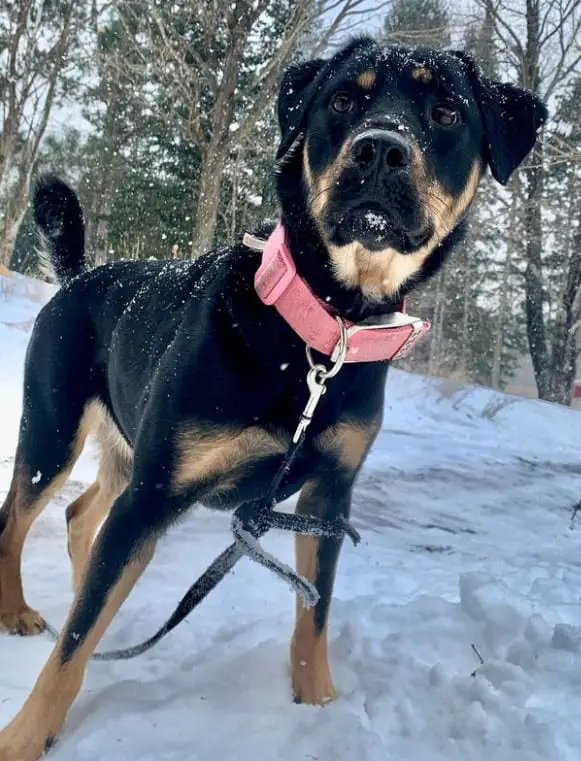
(116, 456)
(422, 74)
(349, 442)
(22, 510)
(366, 79)
(87, 512)
(310, 673)
(41, 718)
(320, 185)
(383, 273)
(308, 172)
(209, 454)
(79, 534)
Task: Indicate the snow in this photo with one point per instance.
(375, 221)
(464, 508)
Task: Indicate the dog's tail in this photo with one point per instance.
(59, 216)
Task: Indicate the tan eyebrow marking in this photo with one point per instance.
(422, 74)
(366, 79)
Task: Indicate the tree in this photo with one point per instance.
(417, 23)
(217, 66)
(539, 44)
(37, 42)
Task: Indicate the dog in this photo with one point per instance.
(194, 386)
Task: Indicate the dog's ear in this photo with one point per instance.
(296, 93)
(512, 118)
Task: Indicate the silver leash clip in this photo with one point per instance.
(316, 384)
(318, 376)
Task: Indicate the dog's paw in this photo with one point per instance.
(26, 622)
(312, 686)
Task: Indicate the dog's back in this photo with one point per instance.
(103, 315)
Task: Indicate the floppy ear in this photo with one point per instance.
(512, 118)
(296, 92)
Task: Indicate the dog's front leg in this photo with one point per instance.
(317, 560)
(119, 556)
(343, 447)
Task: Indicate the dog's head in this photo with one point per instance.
(391, 145)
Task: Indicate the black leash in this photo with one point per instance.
(251, 521)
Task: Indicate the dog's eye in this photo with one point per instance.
(342, 103)
(445, 115)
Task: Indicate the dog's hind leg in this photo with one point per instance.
(83, 518)
(88, 511)
(30, 491)
(52, 434)
(119, 555)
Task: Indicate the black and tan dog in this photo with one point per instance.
(194, 386)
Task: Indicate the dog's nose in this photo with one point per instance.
(380, 148)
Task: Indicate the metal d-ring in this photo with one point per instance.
(340, 350)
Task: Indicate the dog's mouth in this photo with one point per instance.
(376, 228)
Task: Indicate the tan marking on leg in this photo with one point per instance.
(21, 510)
(116, 454)
(366, 79)
(41, 718)
(212, 454)
(348, 442)
(83, 518)
(311, 676)
(87, 512)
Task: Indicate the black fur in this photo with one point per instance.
(59, 216)
(512, 118)
(171, 347)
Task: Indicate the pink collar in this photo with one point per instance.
(278, 284)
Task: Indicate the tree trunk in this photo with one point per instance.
(216, 151)
(15, 208)
(467, 305)
(210, 185)
(561, 371)
(13, 113)
(234, 202)
(498, 340)
(533, 228)
(534, 298)
(9, 233)
(439, 305)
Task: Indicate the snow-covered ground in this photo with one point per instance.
(464, 507)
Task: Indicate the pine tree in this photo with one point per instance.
(417, 23)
